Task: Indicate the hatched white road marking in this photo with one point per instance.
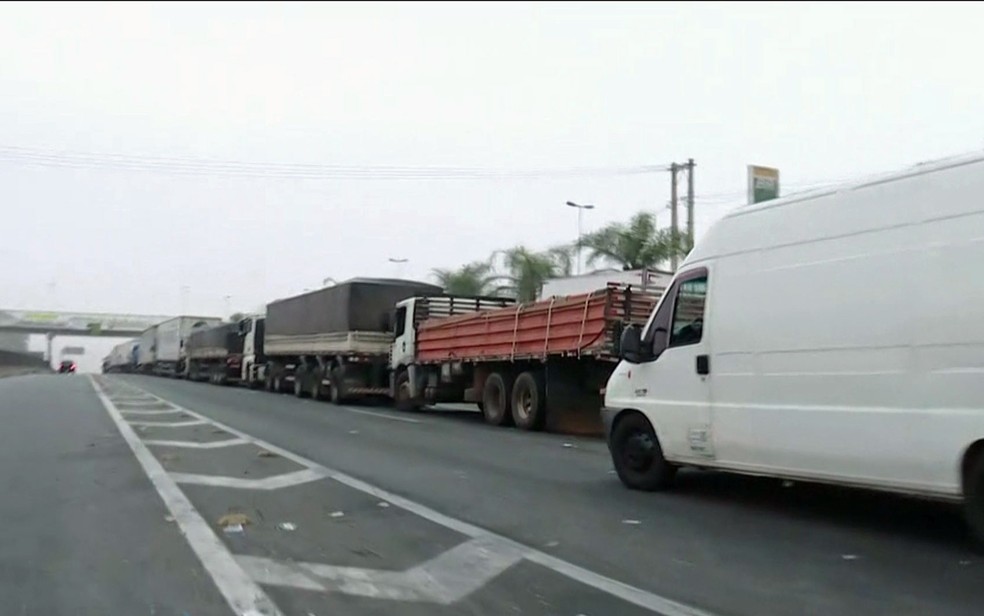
(170, 424)
(241, 592)
(503, 545)
(229, 442)
(167, 412)
(445, 579)
(269, 483)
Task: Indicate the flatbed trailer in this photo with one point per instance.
(541, 365)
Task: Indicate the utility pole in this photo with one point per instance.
(580, 210)
(674, 220)
(690, 203)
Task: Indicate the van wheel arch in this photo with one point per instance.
(972, 484)
(637, 453)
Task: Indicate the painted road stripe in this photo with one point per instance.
(167, 412)
(445, 579)
(269, 483)
(383, 415)
(229, 442)
(170, 424)
(621, 590)
(244, 595)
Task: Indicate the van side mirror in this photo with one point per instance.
(630, 345)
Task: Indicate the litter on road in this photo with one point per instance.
(233, 529)
(631, 522)
(287, 526)
(337, 514)
(266, 454)
(234, 519)
(383, 504)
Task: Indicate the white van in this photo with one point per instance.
(834, 337)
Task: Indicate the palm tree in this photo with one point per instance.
(563, 259)
(476, 278)
(636, 245)
(528, 270)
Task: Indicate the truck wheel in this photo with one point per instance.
(529, 409)
(637, 455)
(299, 390)
(268, 382)
(404, 401)
(337, 384)
(496, 399)
(315, 387)
(278, 384)
(974, 499)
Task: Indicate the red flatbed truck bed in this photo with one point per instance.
(559, 351)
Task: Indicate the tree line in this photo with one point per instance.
(521, 272)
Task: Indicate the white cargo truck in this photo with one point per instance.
(171, 336)
(146, 350)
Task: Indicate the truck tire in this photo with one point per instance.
(974, 500)
(529, 397)
(404, 401)
(637, 455)
(314, 387)
(337, 391)
(496, 399)
(268, 382)
(299, 390)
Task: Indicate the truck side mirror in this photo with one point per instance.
(630, 345)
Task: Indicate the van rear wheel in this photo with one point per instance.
(637, 455)
(974, 500)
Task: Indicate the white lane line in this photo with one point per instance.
(229, 442)
(269, 483)
(170, 424)
(244, 595)
(167, 412)
(631, 594)
(445, 579)
(383, 415)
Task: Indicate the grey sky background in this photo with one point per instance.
(824, 92)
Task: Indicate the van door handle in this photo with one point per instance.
(703, 364)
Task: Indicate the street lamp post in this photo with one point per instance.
(580, 212)
(399, 263)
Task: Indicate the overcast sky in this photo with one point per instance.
(824, 92)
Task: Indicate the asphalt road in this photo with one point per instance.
(361, 510)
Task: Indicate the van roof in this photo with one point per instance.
(711, 244)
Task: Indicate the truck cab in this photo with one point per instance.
(251, 330)
(411, 383)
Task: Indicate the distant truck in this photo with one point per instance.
(172, 335)
(161, 347)
(215, 354)
(334, 342)
(121, 358)
(253, 367)
(538, 365)
(146, 350)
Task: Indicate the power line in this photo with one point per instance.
(303, 171)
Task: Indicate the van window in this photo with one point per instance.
(401, 321)
(688, 312)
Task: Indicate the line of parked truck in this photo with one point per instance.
(830, 337)
(536, 365)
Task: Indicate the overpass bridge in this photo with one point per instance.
(56, 323)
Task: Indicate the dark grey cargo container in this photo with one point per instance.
(359, 304)
(224, 336)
